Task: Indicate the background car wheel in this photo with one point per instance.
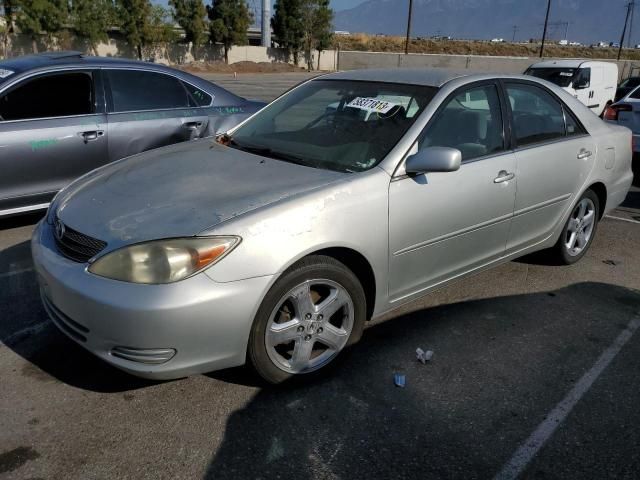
(309, 317)
(580, 229)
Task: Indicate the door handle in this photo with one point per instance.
(504, 176)
(584, 154)
(192, 125)
(91, 135)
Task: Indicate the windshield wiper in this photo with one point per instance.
(267, 152)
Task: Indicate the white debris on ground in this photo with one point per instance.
(423, 356)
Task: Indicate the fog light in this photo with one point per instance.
(149, 356)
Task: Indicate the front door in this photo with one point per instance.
(52, 131)
(442, 225)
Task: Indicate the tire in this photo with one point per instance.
(570, 235)
(316, 300)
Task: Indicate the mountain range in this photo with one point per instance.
(589, 21)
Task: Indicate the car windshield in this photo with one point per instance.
(560, 76)
(348, 126)
(630, 82)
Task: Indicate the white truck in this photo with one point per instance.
(593, 83)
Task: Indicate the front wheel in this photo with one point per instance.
(580, 229)
(306, 321)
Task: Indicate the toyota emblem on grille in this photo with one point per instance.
(59, 226)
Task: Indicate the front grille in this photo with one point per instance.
(75, 245)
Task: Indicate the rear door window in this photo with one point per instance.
(135, 90)
(49, 96)
(200, 97)
(537, 115)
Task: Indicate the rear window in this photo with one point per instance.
(49, 96)
(133, 90)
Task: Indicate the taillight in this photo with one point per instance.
(612, 111)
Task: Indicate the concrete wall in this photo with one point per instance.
(356, 60)
(176, 53)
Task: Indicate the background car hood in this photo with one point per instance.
(179, 191)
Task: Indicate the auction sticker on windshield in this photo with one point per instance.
(371, 104)
(5, 73)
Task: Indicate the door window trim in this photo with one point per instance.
(109, 95)
(96, 84)
(565, 109)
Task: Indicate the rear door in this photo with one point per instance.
(52, 130)
(148, 109)
(554, 155)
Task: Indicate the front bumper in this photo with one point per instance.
(153, 331)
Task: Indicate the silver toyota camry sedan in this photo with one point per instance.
(346, 197)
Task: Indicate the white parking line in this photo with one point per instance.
(523, 456)
(15, 272)
(622, 219)
(31, 330)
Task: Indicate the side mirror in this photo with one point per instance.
(581, 85)
(434, 159)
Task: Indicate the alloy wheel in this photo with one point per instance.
(309, 326)
(580, 227)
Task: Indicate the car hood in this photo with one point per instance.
(179, 191)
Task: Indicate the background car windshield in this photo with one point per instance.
(560, 76)
(348, 126)
(630, 82)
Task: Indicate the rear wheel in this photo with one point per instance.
(311, 314)
(580, 229)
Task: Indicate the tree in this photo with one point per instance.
(9, 7)
(190, 15)
(92, 19)
(287, 25)
(322, 28)
(229, 21)
(159, 27)
(134, 21)
(41, 16)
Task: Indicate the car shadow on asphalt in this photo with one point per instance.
(25, 328)
(499, 366)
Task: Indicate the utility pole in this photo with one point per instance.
(406, 45)
(633, 11)
(266, 23)
(515, 29)
(544, 33)
(624, 30)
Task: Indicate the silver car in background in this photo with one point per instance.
(63, 114)
(347, 197)
(626, 112)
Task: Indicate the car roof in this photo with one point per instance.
(70, 59)
(73, 59)
(431, 77)
(569, 63)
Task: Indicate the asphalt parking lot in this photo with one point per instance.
(535, 372)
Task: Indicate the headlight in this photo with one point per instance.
(163, 261)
